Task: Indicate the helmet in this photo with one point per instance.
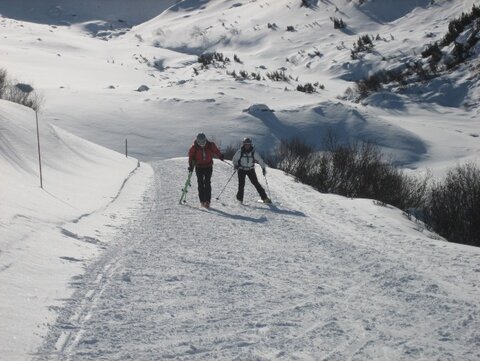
(201, 139)
(247, 141)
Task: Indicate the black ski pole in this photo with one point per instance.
(268, 188)
(224, 161)
(229, 179)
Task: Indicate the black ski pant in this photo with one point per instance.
(253, 178)
(204, 177)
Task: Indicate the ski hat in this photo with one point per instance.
(201, 139)
(247, 141)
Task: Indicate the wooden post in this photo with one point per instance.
(126, 148)
(39, 153)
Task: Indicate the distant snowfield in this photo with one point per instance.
(317, 275)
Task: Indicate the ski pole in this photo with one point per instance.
(229, 179)
(224, 161)
(268, 188)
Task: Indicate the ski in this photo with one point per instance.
(183, 198)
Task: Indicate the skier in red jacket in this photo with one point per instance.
(200, 157)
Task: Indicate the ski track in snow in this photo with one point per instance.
(255, 282)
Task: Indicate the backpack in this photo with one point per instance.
(243, 152)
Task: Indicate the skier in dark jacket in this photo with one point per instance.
(244, 160)
(200, 157)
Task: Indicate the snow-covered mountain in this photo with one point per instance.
(372, 283)
(78, 72)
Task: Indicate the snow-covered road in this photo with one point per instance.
(314, 277)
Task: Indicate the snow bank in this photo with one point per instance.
(38, 253)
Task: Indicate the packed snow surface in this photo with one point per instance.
(312, 277)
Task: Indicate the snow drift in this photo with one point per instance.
(47, 234)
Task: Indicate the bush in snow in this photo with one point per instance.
(309, 87)
(432, 50)
(461, 50)
(369, 85)
(3, 82)
(458, 25)
(212, 58)
(453, 208)
(272, 26)
(237, 59)
(243, 75)
(363, 44)
(20, 93)
(277, 76)
(338, 23)
(290, 28)
(352, 170)
(230, 150)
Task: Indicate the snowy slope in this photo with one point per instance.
(313, 277)
(90, 84)
(47, 235)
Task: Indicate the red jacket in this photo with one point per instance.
(203, 156)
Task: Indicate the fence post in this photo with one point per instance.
(126, 148)
(39, 153)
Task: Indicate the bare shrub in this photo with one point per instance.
(17, 95)
(20, 93)
(453, 208)
(3, 82)
(352, 170)
(230, 150)
(291, 154)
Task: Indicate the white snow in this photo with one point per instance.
(40, 247)
(316, 277)
(312, 277)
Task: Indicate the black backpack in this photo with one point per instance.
(243, 152)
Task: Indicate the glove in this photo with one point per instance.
(264, 171)
(222, 157)
(190, 168)
(235, 167)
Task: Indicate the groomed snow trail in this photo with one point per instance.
(314, 277)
